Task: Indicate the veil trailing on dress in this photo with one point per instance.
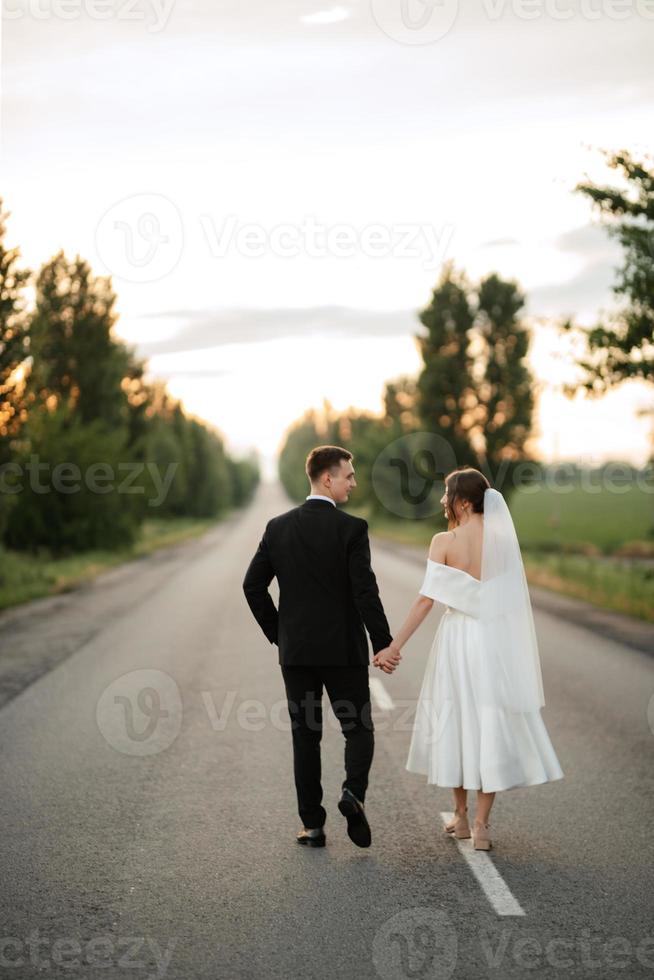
(509, 636)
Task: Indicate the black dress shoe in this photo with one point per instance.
(358, 828)
(312, 838)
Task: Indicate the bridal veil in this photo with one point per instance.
(506, 619)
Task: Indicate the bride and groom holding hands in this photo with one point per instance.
(477, 724)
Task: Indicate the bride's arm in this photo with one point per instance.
(419, 610)
(422, 604)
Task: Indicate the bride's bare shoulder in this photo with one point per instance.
(439, 545)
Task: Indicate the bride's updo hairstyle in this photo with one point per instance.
(465, 483)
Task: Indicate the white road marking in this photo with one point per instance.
(492, 883)
(382, 698)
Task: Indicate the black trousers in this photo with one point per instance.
(349, 694)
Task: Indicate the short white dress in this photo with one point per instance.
(458, 738)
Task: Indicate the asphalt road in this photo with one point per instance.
(148, 818)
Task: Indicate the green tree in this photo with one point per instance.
(622, 346)
(77, 362)
(73, 501)
(14, 352)
(79, 416)
(400, 401)
(446, 388)
(164, 452)
(475, 390)
(244, 478)
(505, 401)
(209, 491)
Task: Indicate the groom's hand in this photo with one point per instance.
(387, 659)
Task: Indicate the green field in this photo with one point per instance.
(579, 521)
(24, 577)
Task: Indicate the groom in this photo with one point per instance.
(327, 595)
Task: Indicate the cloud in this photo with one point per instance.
(588, 240)
(581, 296)
(500, 243)
(331, 16)
(213, 328)
(585, 293)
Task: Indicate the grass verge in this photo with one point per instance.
(25, 576)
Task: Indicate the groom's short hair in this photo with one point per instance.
(323, 458)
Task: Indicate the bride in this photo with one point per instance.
(478, 724)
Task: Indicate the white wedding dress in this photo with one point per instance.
(467, 731)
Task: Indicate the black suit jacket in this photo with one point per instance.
(327, 590)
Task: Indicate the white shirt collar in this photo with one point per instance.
(319, 496)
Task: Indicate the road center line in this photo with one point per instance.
(380, 695)
(492, 883)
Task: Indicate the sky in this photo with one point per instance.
(274, 187)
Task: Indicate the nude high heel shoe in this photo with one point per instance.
(481, 840)
(459, 826)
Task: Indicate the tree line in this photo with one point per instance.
(89, 446)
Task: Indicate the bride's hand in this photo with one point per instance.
(387, 659)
